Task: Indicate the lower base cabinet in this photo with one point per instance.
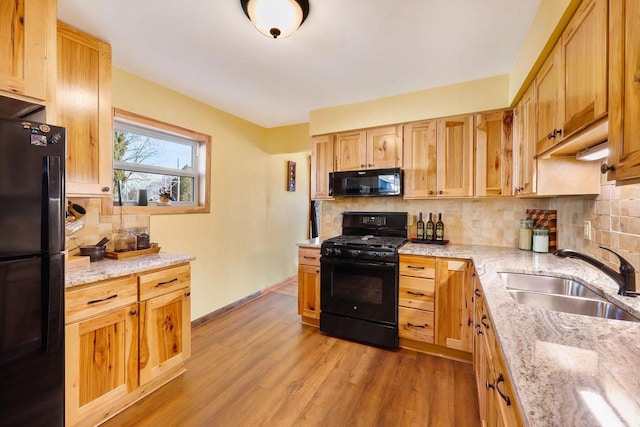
(123, 339)
(309, 285)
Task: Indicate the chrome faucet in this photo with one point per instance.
(626, 278)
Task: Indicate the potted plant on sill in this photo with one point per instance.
(164, 194)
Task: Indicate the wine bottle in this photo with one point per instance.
(420, 228)
(439, 229)
(429, 235)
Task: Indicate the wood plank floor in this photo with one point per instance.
(258, 366)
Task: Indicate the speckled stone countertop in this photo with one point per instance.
(311, 243)
(111, 268)
(567, 369)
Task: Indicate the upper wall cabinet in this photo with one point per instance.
(321, 164)
(494, 154)
(624, 87)
(572, 85)
(84, 108)
(26, 41)
(438, 158)
(377, 148)
(524, 146)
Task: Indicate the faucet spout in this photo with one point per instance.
(625, 279)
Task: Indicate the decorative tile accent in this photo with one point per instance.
(546, 218)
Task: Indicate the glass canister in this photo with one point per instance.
(526, 234)
(143, 241)
(541, 239)
(125, 240)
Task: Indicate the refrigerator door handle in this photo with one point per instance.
(53, 303)
(53, 210)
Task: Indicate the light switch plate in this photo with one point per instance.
(587, 230)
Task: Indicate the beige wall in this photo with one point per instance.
(247, 242)
(466, 97)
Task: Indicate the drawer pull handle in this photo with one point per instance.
(488, 385)
(309, 257)
(411, 325)
(502, 395)
(95, 301)
(477, 293)
(167, 282)
(418, 294)
(415, 267)
(486, 325)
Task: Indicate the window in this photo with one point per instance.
(159, 158)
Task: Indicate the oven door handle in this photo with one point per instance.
(335, 261)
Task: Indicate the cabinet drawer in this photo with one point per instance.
(418, 266)
(164, 281)
(415, 324)
(102, 297)
(417, 293)
(309, 257)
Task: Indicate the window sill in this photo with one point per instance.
(153, 209)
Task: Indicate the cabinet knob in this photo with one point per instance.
(133, 312)
(440, 192)
(430, 192)
(604, 168)
(636, 78)
(105, 189)
(557, 132)
(188, 293)
(551, 136)
(369, 165)
(362, 165)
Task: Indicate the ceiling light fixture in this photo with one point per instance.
(276, 18)
(596, 152)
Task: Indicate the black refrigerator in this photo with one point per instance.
(32, 165)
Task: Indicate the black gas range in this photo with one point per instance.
(359, 278)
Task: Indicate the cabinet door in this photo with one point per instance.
(584, 48)
(454, 304)
(84, 108)
(420, 156)
(309, 291)
(455, 157)
(548, 89)
(526, 143)
(25, 29)
(165, 333)
(624, 91)
(101, 363)
(351, 151)
(321, 164)
(384, 147)
(494, 153)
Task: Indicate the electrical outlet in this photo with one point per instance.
(587, 230)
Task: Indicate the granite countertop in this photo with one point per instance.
(311, 243)
(567, 369)
(111, 268)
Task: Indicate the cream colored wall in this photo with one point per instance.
(289, 139)
(466, 97)
(243, 245)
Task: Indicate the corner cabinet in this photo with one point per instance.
(322, 163)
(84, 107)
(376, 148)
(27, 43)
(438, 158)
(624, 92)
(494, 154)
(123, 334)
(309, 285)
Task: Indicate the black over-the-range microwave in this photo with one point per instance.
(372, 182)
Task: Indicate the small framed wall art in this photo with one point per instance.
(291, 176)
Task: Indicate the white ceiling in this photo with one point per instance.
(346, 51)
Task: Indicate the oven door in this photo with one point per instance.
(359, 289)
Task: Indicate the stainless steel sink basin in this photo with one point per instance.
(559, 294)
(547, 284)
(571, 304)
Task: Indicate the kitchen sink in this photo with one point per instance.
(560, 294)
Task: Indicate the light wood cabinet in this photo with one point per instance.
(84, 107)
(165, 321)
(376, 148)
(496, 398)
(624, 92)
(101, 346)
(309, 285)
(416, 299)
(494, 154)
(525, 144)
(322, 162)
(438, 158)
(27, 46)
(124, 338)
(548, 92)
(454, 304)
